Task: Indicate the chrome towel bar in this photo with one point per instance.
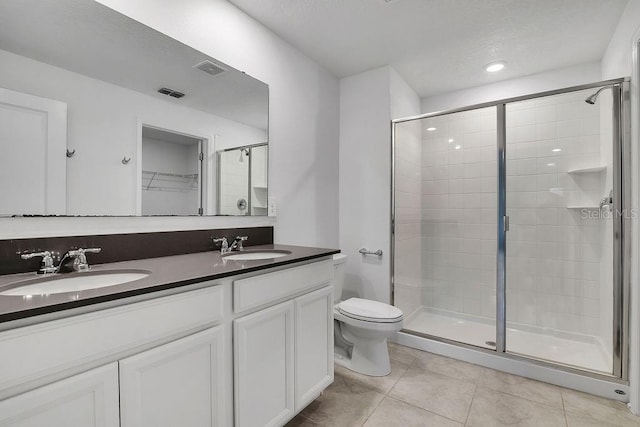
(364, 251)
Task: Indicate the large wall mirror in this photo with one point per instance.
(101, 115)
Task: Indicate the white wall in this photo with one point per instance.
(368, 102)
(365, 180)
(550, 80)
(303, 126)
(620, 60)
(616, 61)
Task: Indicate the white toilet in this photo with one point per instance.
(362, 328)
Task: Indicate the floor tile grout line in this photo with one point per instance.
(466, 419)
(374, 410)
(525, 398)
(564, 409)
(398, 398)
(396, 382)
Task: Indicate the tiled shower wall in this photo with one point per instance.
(459, 184)
(408, 229)
(558, 254)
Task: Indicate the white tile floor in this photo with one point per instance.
(425, 389)
(583, 352)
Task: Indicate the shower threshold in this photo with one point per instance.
(577, 350)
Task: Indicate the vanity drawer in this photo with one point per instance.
(255, 291)
(39, 353)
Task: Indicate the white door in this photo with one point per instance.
(176, 384)
(84, 400)
(33, 140)
(314, 345)
(263, 367)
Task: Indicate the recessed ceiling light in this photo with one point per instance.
(431, 129)
(557, 150)
(494, 67)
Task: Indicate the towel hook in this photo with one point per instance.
(125, 160)
(71, 153)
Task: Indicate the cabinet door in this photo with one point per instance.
(263, 367)
(86, 399)
(176, 384)
(313, 345)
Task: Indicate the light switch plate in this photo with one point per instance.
(271, 206)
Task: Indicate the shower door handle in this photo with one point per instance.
(506, 223)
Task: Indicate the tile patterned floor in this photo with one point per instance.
(425, 389)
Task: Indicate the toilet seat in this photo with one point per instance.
(370, 311)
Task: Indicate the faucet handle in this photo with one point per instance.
(224, 244)
(241, 239)
(80, 262)
(46, 265)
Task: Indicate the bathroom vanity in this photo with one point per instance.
(201, 340)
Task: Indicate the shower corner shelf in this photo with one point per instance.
(588, 170)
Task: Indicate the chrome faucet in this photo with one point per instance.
(224, 244)
(79, 258)
(46, 265)
(237, 243)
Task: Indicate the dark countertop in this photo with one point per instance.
(165, 273)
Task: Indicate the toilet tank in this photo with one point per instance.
(339, 263)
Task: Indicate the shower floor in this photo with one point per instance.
(581, 351)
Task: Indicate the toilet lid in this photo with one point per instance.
(372, 311)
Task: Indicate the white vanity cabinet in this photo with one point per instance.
(166, 355)
(264, 367)
(176, 384)
(89, 399)
(283, 353)
(248, 350)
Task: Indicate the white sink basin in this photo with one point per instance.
(74, 282)
(255, 255)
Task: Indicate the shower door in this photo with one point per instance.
(508, 227)
(562, 177)
(445, 177)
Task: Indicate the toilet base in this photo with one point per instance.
(368, 357)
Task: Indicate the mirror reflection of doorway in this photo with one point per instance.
(171, 173)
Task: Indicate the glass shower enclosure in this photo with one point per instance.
(508, 226)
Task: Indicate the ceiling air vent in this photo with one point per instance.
(170, 92)
(209, 67)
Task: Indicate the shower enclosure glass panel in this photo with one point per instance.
(233, 182)
(559, 257)
(445, 210)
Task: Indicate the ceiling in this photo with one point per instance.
(442, 45)
(88, 38)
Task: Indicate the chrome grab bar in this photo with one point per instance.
(364, 251)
